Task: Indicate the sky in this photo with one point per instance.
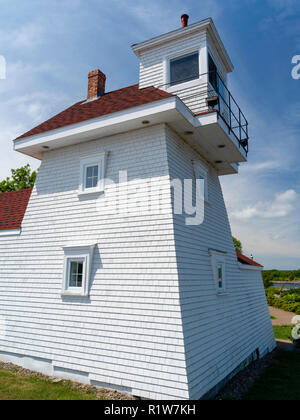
(50, 46)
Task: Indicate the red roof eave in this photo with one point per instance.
(109, 103)
(13, 206)
(248, 261)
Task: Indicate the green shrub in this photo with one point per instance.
(288, 300)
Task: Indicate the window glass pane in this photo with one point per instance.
(80, 267)
(95, 171)
(89, 183)
(73, 268)
(213, 77)
(184, 69)
(76, 270)
(72, 281)
(79, 280)
(91, 176)
(89, 172)
(220, 277)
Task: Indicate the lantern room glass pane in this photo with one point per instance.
(184, 69)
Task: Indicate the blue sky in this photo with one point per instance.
(50, 46)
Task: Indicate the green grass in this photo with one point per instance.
(273, 318)
(280, 381)
(283, 332)
(18, 387)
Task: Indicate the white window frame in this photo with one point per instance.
(86, 162)
(77, 253)
(200, 170)
(218, 259)
(167, 71)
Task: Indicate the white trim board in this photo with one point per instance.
(203, 25)
(171, 111)
(10, 232)
(88, 129)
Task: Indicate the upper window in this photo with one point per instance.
(92, 176)
(184, 69)
(92, 170)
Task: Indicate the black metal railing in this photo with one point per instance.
(229, 110)
(216, 96)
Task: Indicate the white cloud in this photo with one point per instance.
(25, 103)
(26, 36)
(263, 243)
(156, 14)
(261, 166)
(281, 206)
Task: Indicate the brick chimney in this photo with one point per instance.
(184, 20)
(96, 84)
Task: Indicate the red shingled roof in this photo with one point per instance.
(245, 260)
(115, 101)
(12, 208)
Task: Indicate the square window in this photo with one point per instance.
(92, 171)
(183, 69)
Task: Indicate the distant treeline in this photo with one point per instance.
(278, 275)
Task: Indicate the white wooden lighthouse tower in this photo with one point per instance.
(155, 301)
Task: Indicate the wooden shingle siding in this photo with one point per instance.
(153, 324)
(129, 332)
(220, 332)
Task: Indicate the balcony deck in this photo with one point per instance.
(223, 124)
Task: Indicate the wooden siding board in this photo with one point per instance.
(220, 332)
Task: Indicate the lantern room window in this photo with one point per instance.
(184, 68)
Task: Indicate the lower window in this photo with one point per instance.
(218, 269)
(77, 270)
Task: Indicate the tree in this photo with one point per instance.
(20, 179)
(238, 245)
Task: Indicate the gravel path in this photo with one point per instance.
(240, 384)
(283, 317)
(99, 392)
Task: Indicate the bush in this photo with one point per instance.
(288, 300)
